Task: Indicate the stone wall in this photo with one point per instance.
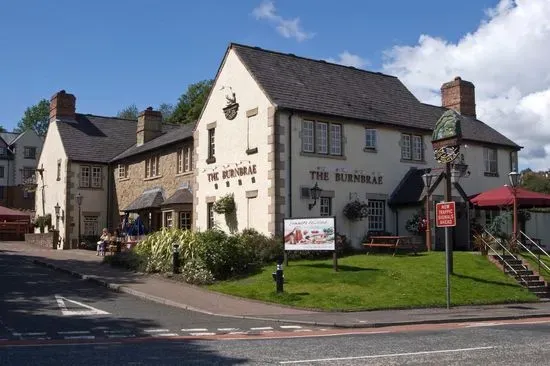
(129, 188)
(46, 240)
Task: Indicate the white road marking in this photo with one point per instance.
(120, 335)
(495, 324)
(389, 355)
(290, 327)
(261, 328)
(227, 329)
(203, 334)
(237, 332)
(62, 344)
(302, 330)
(195, 330)
(91, 310)
(121, 331)
(70, 332)
(166, 335)
(80, 337)
(100, 328)
(29, 334)
(156, 330)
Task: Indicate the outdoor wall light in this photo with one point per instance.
(315, 193)
(427, 179)
(458, 171)
(57, 208)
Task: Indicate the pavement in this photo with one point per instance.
(86, 265)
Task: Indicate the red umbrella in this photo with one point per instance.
(504, 196)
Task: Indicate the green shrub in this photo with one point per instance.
(128, 260)
(196, 273)
(259, 248)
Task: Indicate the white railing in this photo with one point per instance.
(539, 261)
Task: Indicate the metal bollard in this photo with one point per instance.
(175, 258)
(278, 276)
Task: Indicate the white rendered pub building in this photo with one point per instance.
(276, 124)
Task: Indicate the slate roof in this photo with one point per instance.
(9, 137)
(321, 87)
(409, 190)
(174, 133)
(151, 198)
(96, 139)
(182, 195)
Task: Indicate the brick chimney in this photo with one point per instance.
(62, 106)
(149, 125)
(459, 95)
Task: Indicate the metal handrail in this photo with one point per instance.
(533, 254)
(504, 262)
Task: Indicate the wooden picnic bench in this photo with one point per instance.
(390, 241)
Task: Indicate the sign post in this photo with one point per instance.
(445, 216)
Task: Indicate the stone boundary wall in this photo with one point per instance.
(46, 240)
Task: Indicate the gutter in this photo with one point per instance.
(291, 113)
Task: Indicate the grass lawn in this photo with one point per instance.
(534, 264)
(381, 282)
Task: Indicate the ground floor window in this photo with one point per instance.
(377, 215)
(325, 206)
(210, 215)
(91, 226)
(168, 220)
(185, 220)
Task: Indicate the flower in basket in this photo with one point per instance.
(356, 210)
(225, 205)
(416, 224)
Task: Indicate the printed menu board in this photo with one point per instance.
(309, 233)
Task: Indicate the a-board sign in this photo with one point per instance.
(313, 233)
(445, 214)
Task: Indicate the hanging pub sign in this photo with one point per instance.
(446, 137)
(232, 107)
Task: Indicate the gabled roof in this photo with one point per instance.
(9, 137)
(325, 88)
(173, 134)
(181, 196)
(96, 139)
(151, 198)
(409, 190)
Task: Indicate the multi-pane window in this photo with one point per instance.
(27, 173)
(91, 227)
(85, 176)
(210, 215)
(321, 137)
(490, 159)
(185, 220)
(370, 138)
(325, 206)
(184, 160)
(90, 176)
(377, 217)
(168, 220)
(122, 171)
(3, 151)
(96, 177)
(211, 143)
(152, 168)
(307, 136)
(412, 147)
(59, 169)
(29, 152)
(1, 172)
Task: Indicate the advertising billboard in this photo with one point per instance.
(314, 233)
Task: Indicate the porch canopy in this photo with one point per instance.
(504, 196)
(7, 214)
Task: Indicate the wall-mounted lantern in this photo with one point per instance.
(315, 194)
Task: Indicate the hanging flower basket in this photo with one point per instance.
(416, 224)
(225, 205)
(356, 210)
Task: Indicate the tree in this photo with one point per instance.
(167, 110)
(190, 103)
(130, 112)
(536, 181)
(2, 129)
(36, 117)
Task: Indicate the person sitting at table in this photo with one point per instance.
(103, 241)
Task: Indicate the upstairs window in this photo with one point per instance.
(29, 152)
(122, 171)
(490, 161)
(152, 168)
(96, 177)
(321, 138)
(184, 160)
(84, 176)
(1, 172)
(370, 139)
(3, 151)
(90, 176)
(412, 147)
(212, 144)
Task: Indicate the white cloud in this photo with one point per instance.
(507, 58)
(349, 59)
(288, 28)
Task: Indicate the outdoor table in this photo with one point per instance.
(391, 241)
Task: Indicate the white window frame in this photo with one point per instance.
(406, 145)
(85, 173)
(212, 143)
(335, 139)
(152, 166)
(210, 215)
(91, 226)
(321, 138)
(185, 220)
(377, 215)
(308, 139)
(188, 159)
(96, 177)
(325, 206)
(417, 148)
(27, 150)
(168, 219)
(412, 147)
(490, 162)
(179, 161)
(122, 171)
(370, 138)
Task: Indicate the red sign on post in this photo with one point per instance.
(445, 214)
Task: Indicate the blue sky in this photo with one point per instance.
(114, 53)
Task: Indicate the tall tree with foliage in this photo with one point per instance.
(35, 117)
(535, 181)
(167, 110)
(2, 129)
(190, 103)
(130, 112)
